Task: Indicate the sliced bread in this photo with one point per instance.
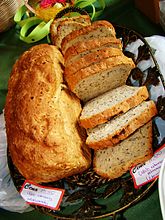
(79, 49)
(113, 162)
(65, 28)
(84, 19)
(91, 58)
(98, 29)
(100, 77)
(114, 102)
(119, 128)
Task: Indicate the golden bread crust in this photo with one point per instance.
(44, 140)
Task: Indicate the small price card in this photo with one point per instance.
(39, 195)
(148, 171)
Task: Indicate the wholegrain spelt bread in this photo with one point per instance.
(114, 102)
(65, 28)
(91, 58)
(79, 49)
(113, 162)
(101, 77)
(98, 29)
(83, 19)
(119, 128)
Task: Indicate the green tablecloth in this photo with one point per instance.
(119, 12)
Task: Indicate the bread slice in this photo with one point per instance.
(83, 19)
(119, 128)
(113, 162)
(65, 28)
(102, 108)
(100, 77)
(91, 58)
(80, 49)
(98, 29)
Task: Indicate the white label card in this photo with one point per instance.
(148, 171)
(39, 195)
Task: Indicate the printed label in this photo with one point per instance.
(148, 171)
(39, 195)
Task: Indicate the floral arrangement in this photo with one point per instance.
(47, 9)
(40, 14)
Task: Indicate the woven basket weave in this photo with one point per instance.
(8, 9)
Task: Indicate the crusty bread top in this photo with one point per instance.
(56, 23)
(114, 162)
(44, 140)
(92, 58)
(110, 104)
(103, 65)
(83, 31)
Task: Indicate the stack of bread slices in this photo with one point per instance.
(117, 117)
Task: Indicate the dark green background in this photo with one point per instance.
(122, 12)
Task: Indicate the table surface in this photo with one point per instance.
(118, 12)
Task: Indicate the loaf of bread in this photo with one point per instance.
(94, 80)
(79, 49)
(91, 58)
(44, 139)
(110, 104)
(119, 128)
(113, 162)
(98, 29)
(83, 19)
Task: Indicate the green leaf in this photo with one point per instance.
(39, 32)
(85, 3)
(98, 13)
(102, 4)
(20, 12)
(23, 22)
(90, 3)
(93, 12)
(48, 39)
